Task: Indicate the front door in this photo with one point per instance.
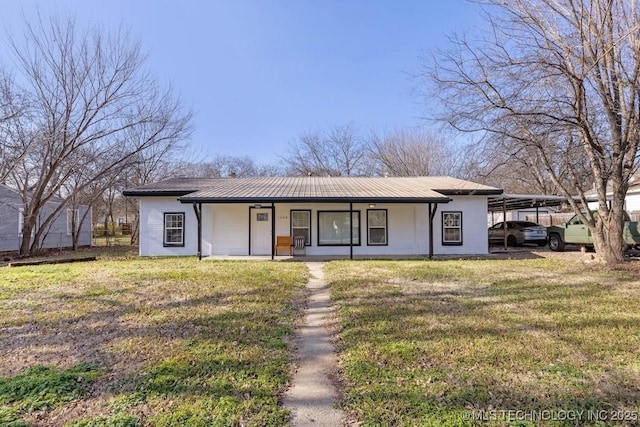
(260, 231)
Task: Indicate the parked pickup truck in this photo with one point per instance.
(574, 232)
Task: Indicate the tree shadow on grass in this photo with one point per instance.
(453, 353)
(229, 344)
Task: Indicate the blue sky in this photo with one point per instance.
(258, 73)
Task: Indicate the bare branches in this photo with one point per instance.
(95, 113)
(412, 153)
(341, 151)
(558, 78)
(338, 151)
(14, 113)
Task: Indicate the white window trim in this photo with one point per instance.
(457, 242)
(307, 227)
(378, 227)
(165, 228)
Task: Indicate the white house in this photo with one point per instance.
(58, 233)
(243, 216)
(631, 199)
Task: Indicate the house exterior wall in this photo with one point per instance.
(152, 210)
(225, 227)
(474, 221)
(228, 229)
(55, 236)
(10, 203)
(632, 202)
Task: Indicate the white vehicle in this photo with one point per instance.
(518, 233)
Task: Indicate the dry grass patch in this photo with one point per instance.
(442, 342)
(163, 341)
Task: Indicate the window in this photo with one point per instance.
(452, 228)
(262, 216)
(376, 227)
(301, 225)
(72, 220)
(333, 228)
(174, 229)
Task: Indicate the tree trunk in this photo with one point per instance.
(25, 243)
(135, 227)
(106, 229)
(608, 249)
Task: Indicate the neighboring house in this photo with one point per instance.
(631, 200)
(58, 233)
(243, 216)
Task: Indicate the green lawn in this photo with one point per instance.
(126, 341)
(510, 342)
(130, 342)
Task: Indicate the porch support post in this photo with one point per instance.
(504, 222)
(197, 208)
(273, 230)
(432, 214)
(351, 230)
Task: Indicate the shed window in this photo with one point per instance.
(452, 228)
(174, 229)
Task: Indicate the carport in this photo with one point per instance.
(512, 202)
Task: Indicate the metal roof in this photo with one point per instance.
(170, 187)
(514, 202)
(313, 189)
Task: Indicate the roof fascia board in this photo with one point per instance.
(479, 192)
(151, 193)
(315, 200)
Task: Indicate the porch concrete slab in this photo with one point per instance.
(246, 258)
(309, 258)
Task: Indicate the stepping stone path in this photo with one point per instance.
(313, 397)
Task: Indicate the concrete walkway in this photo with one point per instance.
(312, 398)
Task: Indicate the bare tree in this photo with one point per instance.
(150, 166)
(558, 78)
(94, 109)
(14, 112)
(338, 151)
(413, 152)
(518, 168)
(223, 166)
